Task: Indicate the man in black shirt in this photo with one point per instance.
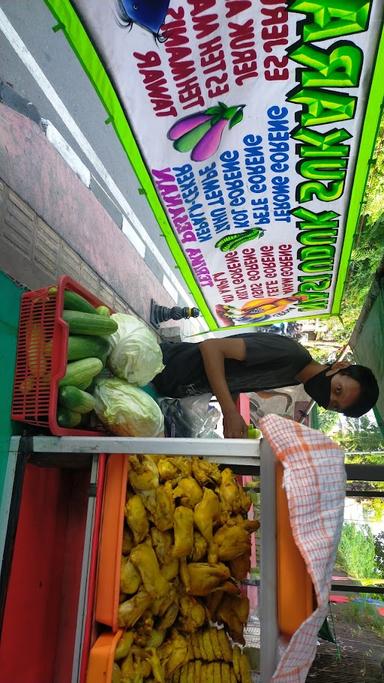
(256, 362)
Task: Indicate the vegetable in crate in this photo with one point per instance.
(89, 323)
(80, 373)
(76, 399)
(135, 354)
(87, 346)
(126, 410)
(68, 418)
(75, 302)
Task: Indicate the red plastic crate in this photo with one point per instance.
(35, 397)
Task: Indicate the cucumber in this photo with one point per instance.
(68, 418)
(76, 400)
(75, 302)
(80, 373)
(86, 346)
(89, 323)
(103, 310)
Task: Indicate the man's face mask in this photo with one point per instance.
(319, 388)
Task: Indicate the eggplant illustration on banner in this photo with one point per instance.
(201, 133)
(149, 14)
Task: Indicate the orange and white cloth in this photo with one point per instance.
(314, 481)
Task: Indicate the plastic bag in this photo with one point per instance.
(190, 417)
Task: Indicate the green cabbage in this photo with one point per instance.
(127, 410)
(135, 354)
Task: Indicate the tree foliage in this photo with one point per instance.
(379, 552)
(356, 551)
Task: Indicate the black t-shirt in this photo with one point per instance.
(271, 361)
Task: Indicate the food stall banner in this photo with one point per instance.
(250, 125)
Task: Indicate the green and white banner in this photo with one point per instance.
(250, 124)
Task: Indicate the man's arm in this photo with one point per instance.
(214, 352)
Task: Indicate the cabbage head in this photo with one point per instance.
(126, 410)
(135, 354)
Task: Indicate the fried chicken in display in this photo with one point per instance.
(143, 473)
(183, 531)
(144, 558)
(189, 492)
(233, 498)
(186, 545)
(207, 512)
(136, 517)
(131, 610)
(205, 577)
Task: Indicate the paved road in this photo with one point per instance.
(41, 67)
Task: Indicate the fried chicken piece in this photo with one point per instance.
(205, 472)
(232, 496)
(162, 515)
(230, 587)
(240, 566)
(124, 645)
(127, 541)
(131, 610)
(189, 491)
(116, 673)
(144, 559)
(184, 465)
(205, 577)
(169, 618)
(183, 531)
(143, 629)
(192, 614)
(156, 638)
(161, 604)
(174, 652)
(212, 603)
(170, 569)
(233, 612)
(250, 525)
(231, 542)
(156, 666)
(167, 468)
(200, 546)
(143, 473)
(149, 500)
(162, 544)
(184, 574)
(135, 666)
(136, 517)
(129, 577)
(206, 513)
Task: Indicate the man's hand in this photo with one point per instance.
(234, 425)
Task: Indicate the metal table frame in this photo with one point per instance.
(243, 455)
